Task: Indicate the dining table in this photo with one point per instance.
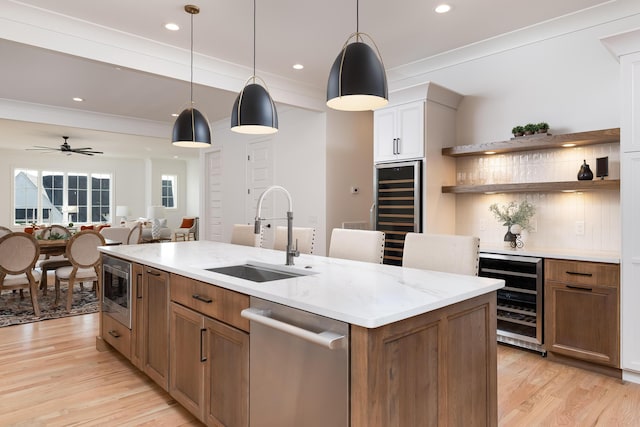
(57, 248)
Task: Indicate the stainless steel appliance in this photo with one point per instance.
(116, 289)
(520, 302)
(299, 367)
(398, 205)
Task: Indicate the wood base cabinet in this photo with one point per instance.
(209, 360)
(155, 329)
(582, 311)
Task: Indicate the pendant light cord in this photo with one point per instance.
(191, 60)
(357, 20)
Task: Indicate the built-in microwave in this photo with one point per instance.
(116, 289)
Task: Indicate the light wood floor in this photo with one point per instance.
(51, 375)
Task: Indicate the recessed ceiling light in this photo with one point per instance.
(77, 99)
(489, 152)
(171, 26)
(568, 145)
(443, 8)
(298, 66)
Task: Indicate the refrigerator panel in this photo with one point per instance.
(398, 201)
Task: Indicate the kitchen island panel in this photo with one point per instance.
(435, 369)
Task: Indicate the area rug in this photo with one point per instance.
(15, 310)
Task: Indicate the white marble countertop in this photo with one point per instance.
(566, 254)
(363, 294)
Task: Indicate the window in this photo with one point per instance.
(169, 191)
(60, 197)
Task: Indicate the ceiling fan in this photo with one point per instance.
(66, 148)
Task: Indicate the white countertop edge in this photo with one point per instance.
(610, 257)
(196, 271)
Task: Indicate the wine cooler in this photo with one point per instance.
(520, 302)
(398, 202)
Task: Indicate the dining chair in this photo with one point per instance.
(442, 252)
(135, 235)
(54, 230)
(304, 237)
(242, 234)
(18, 255)
(4, 231)
(82, 252)
(357, 245)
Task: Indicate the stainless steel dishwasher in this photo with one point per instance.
(299, 367)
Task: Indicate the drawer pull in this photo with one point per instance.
(153, 273)
(579, 288)
(202, 358)
(575, 273)
(201, 298)
(114, 334)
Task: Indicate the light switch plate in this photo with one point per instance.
(579, 228)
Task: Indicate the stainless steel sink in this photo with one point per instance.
(255, 273)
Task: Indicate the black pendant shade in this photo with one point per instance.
(191, 129)
(357, 80)
(254, 111)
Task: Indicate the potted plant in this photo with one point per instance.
(517, 131)
(515, 216)
(543, 127)
(530, 129)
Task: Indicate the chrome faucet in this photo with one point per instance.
(290, 251)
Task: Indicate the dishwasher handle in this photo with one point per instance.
(326, 339)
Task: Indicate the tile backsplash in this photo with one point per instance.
(588, 221)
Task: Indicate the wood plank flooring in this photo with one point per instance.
(52, 375)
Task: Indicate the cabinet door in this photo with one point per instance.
(226, 375)
(410, 130)
(187, 359)
(630, 265)
(384, 134)
(582, 322)
(137, 322)
(155, 305)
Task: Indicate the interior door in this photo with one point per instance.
(213, 195)
(259, 178)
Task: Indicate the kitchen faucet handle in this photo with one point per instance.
(295, 250)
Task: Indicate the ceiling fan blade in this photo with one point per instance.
(40, 147)
(82, 151)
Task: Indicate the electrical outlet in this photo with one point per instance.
(579, 228)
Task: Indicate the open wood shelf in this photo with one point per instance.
(535, 187)
(535, 142)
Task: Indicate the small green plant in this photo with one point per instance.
(543, 127)
(530, 128)
(514, 213)
(55, 236)
(70, 224)
(517, 131)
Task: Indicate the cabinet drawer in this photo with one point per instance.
(210, 300)
(116, 334)
(582, 273)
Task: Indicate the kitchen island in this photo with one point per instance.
(422, 343)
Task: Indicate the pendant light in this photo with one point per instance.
(191, 128)
(254, 112)
(357, 80)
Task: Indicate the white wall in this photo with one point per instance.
(571, 82)
(349, 164)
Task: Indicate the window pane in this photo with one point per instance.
(168, 191)
(25, 201)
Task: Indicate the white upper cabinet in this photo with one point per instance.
(399, 132)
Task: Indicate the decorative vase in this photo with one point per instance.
(585, 174)
(509, 238)
(155, 229)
